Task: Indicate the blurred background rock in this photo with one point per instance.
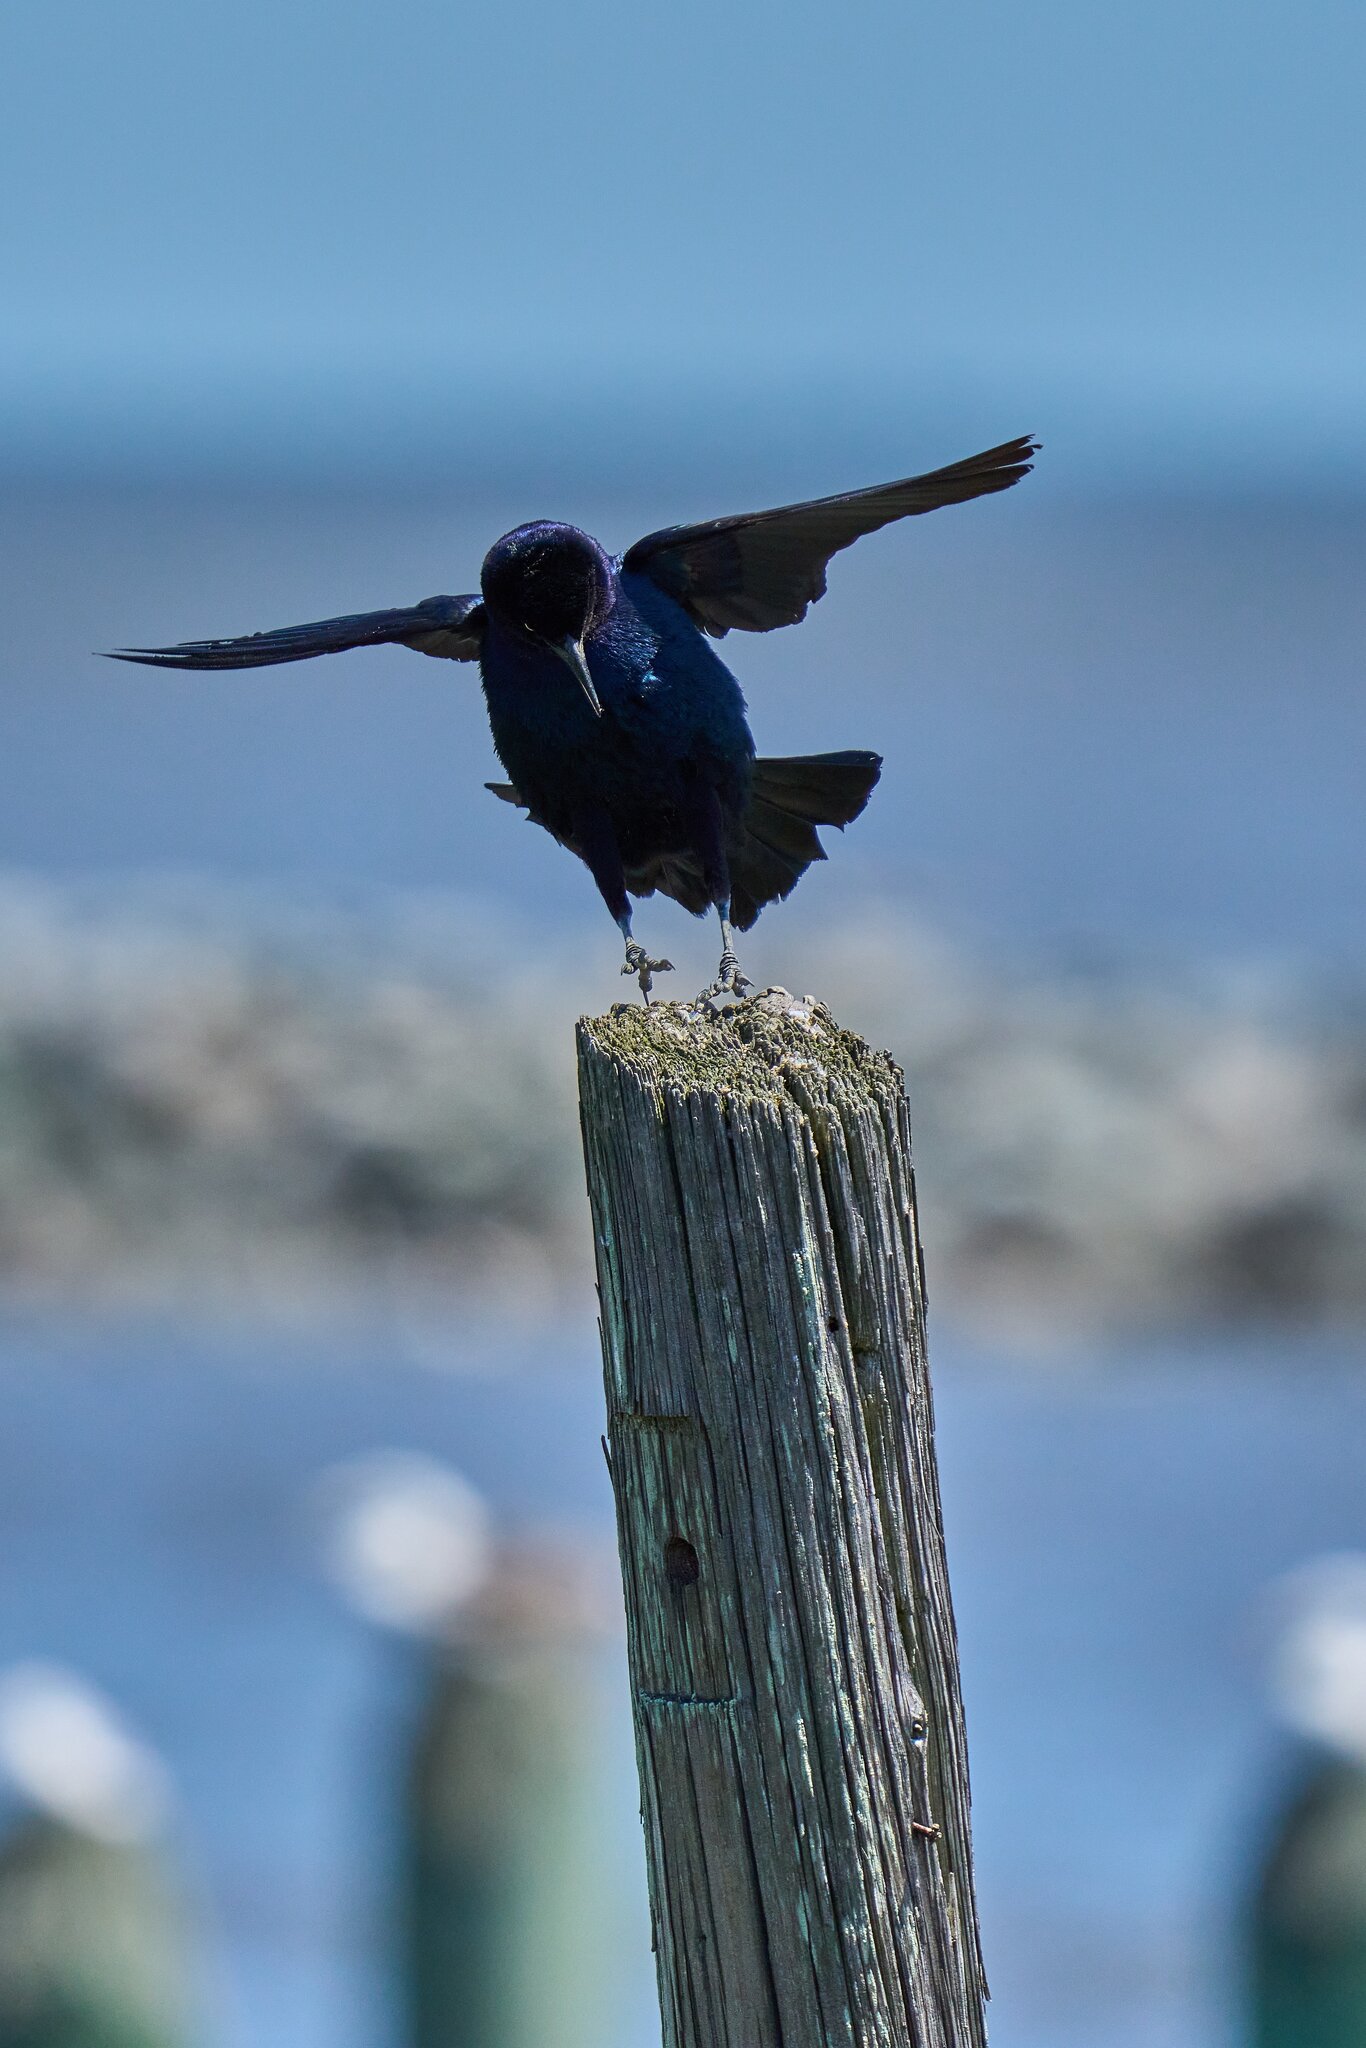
(209, 1096)
(299, 314)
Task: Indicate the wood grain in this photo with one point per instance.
(793, 1659)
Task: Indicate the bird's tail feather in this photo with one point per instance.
(778, 840)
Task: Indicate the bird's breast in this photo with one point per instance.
(668, 712)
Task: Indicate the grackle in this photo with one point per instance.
(624, 734)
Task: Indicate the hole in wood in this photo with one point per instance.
(681, 1564)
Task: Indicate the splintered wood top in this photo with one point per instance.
(751, 1050)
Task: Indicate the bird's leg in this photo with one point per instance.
(639, 963)
(709, 843)
(597, 844)
(729, 980)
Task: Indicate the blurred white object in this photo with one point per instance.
(1318, 1676)
(406, 1538)
(65, 1750)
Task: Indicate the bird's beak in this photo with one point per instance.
(572, 655)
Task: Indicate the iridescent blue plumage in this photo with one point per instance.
(623, 732)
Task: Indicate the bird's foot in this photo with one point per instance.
(639, 963)
(729, 981)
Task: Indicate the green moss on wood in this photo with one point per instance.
(761, 1050)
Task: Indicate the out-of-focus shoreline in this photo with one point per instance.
(223, 1102)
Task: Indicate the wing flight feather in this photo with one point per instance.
(449, 627)
(758, 570)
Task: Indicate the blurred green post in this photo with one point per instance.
(505, 1904)
(92, 1943)
(96, 1947)
(1307, 1917)
(1308, 1962)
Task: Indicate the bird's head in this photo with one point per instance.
(554, 584)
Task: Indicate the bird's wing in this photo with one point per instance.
(449, 626)
(758, 570)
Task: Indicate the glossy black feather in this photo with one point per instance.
(622, 733)
(758, 570)
(777, 839)
(450, 627)
(773, 841)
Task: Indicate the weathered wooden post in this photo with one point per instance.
(792, 1652)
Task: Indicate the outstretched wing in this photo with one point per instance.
(758, 570)
(452, 627)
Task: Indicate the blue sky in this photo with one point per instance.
(1143, 215)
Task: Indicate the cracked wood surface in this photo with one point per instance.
(793, 1662)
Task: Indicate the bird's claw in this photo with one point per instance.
(639, 963)
(730, 981)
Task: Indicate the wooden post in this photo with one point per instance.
(94, 1942)
(504, 1936)
(1307, 1945)
(793, 1660)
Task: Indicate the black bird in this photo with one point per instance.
(623, 732)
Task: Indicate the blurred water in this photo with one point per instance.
(1119, 726)
(1133, 730)
(1108, 1535)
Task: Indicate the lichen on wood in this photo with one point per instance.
(793, 1660)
